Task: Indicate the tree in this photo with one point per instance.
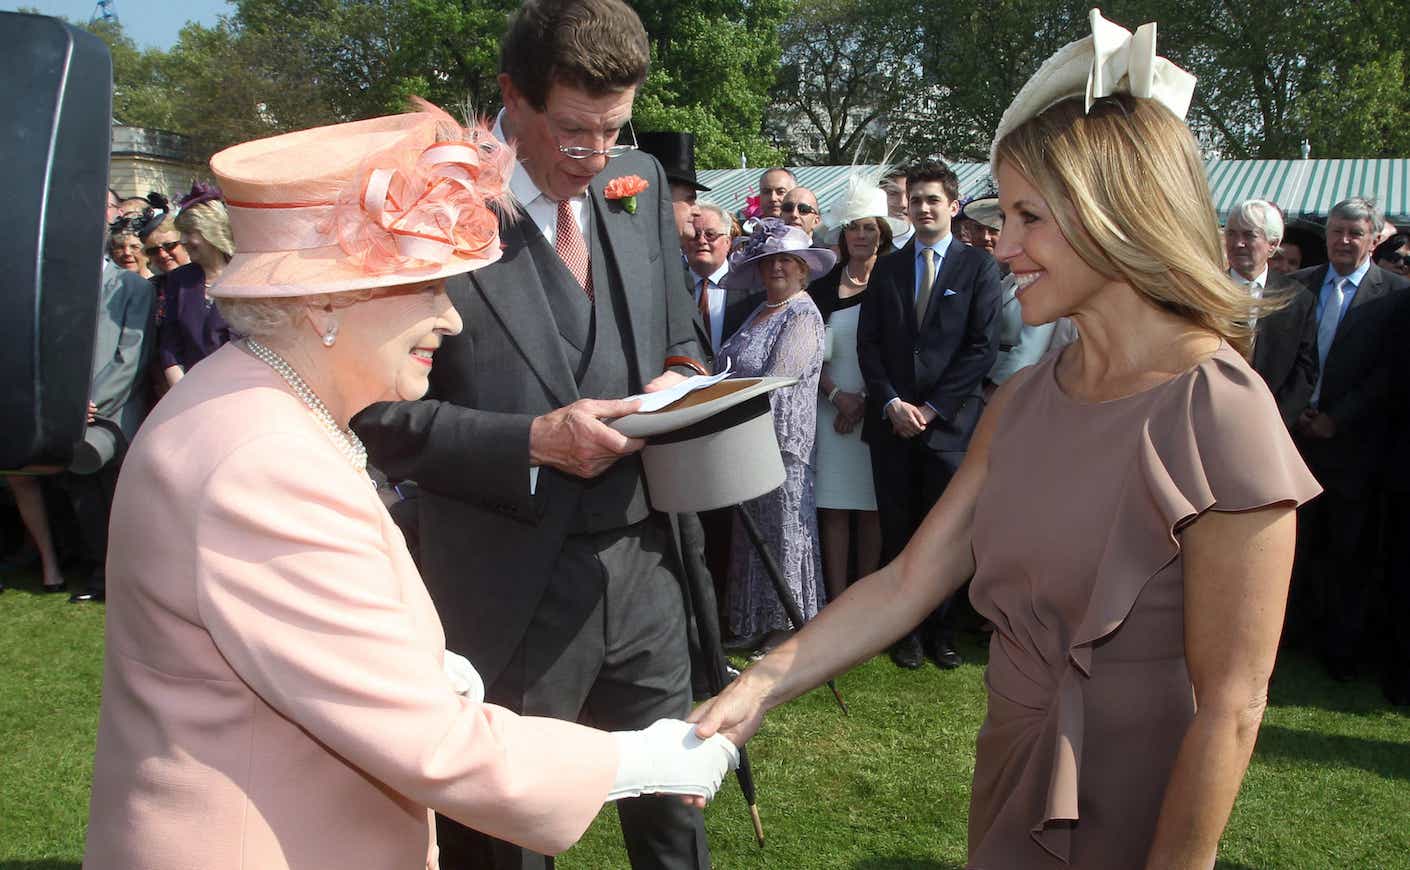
(846, 69)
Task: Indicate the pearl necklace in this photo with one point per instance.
(783, 302)
(345, 440)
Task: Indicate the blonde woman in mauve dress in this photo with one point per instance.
(1126, 507)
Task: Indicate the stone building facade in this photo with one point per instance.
(144, 160)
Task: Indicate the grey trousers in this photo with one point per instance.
(607, 647)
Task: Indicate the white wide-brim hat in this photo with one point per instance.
(771, 237)
(712, 448)
(861, 202)
(1112, 60)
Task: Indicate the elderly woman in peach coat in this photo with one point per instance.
(276, 690)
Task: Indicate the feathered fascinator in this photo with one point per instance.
(392, 200)
(863, 196)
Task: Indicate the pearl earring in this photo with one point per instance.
(330, 335)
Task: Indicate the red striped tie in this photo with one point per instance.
(568, 242)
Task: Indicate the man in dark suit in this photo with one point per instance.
(1285, 340)
(722, 311)
(550, 570)
(925, 339)
(1341, 434)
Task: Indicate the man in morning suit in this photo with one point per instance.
(1285, 340)
(1342, 433)
(551, 572)
(925, 339)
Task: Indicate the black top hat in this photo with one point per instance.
(676, 151)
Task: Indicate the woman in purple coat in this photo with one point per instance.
(192, 328)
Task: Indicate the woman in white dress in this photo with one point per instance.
(844, 482)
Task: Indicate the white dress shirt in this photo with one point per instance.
(716, 303)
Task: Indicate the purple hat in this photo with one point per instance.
(772, 236)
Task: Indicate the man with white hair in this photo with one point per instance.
(722, 311)
(1285, 340)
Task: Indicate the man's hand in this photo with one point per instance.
(574, 439)
(663, 381)
(1315, 424)
(92, 412)
(906, 419)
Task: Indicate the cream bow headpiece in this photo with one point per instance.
(1111, 60)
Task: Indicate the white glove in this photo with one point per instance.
(668, 758)
(463, 677)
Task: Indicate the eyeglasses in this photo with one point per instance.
(582, 152)
(800, 207)
(710, 236)
(169, 247)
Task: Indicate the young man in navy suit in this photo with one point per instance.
(926, 338)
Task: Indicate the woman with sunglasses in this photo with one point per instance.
(192, 328)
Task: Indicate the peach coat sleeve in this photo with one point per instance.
(299, 592)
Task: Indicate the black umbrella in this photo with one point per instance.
(701, 601)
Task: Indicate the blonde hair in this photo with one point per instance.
(277, 315)
(1128, 190)
(212, 221)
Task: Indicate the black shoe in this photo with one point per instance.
(85, 597)
(49, 590)
(945, 656)
(907, 653)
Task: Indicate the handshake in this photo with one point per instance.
(665, 758)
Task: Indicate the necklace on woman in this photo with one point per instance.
(860, 282)
(344, 439)
(783, 302)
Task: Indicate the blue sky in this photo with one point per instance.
(150, 23)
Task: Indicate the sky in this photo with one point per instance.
(150, 23)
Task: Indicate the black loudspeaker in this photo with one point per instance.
(56, 98)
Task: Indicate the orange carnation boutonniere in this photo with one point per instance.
(624, 189)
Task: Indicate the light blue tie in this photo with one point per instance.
(1327, 332)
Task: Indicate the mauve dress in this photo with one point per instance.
(1077, 549)
(787, 344)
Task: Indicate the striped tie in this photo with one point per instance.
(572, 250)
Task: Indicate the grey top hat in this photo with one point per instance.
(712, 448)
(772, 236)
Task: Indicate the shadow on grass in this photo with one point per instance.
(41, 865)
(1381, 757)
(899, 863)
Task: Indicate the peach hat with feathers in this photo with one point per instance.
(392, 200)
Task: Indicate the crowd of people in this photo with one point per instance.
(1100, 421)
(877, 466)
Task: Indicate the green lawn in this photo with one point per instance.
(886, 787)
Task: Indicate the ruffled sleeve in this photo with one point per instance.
(1213, 440)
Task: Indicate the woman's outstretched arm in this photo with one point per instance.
(875, 611)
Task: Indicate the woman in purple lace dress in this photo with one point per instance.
(782, 338)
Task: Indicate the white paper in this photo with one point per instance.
(661, 398)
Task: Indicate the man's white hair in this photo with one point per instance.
(1261, 216)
